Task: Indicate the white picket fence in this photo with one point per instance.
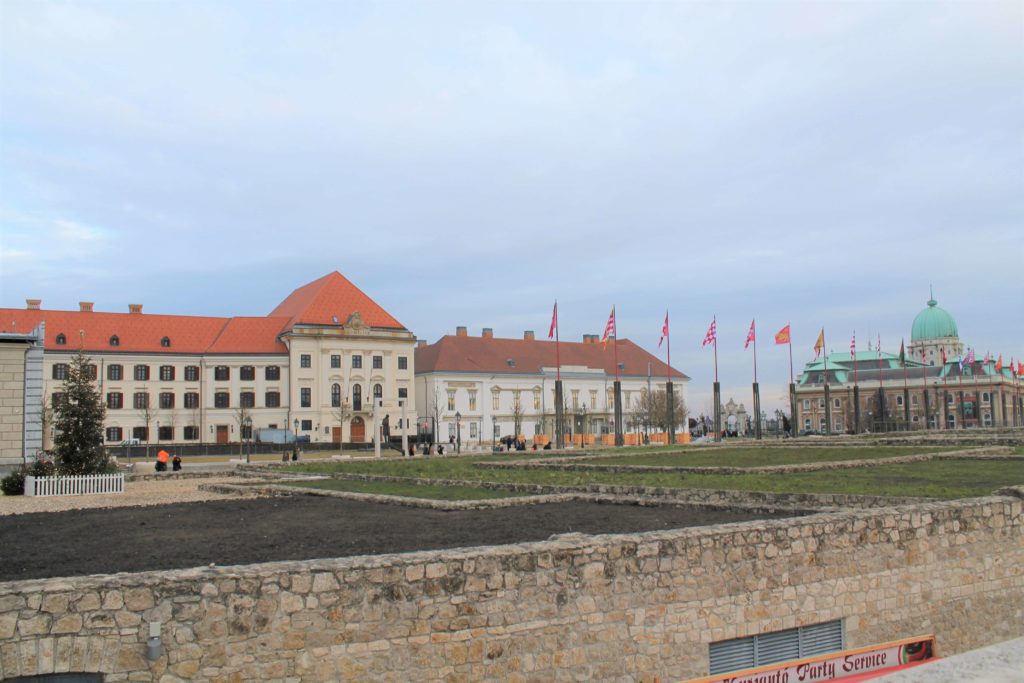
(75, 485)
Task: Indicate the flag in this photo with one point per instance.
(1020, 368)
(879, 346)
(554, 322)
(664, 330)
(988, 357)
(750, 335)
(966, 359)
(943, 351)
(609, 328)
(999, 363)
(782, 336)
(819, 345)
(712, 336)
(853, 346)
(903, 354)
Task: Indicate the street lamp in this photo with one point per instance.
(583, 426)
(494, 432)
(247, 422)
(295, 450)
(458, 432)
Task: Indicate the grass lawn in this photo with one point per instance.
(759, 457)
(939, 479)
(391, 488)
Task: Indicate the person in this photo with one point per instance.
(161, 460)
(176, 463)
(547, 446)
(412, 450)
(440, 449)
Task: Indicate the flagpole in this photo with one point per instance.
(828, 405)
(790, 354)
(856, 386)
(715, 343)
(558, 355)
(757, 391)
(792, 387)
(670, 396)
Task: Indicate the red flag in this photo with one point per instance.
(1020, 368)
(999, 363)
(712, 336)
(554, 322)
(782, 336)
(664, 330)
(609, 328)
(750, 335)
(943, 356)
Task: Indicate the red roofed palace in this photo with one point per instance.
(313, 365)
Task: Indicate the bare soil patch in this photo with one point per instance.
(230, 532)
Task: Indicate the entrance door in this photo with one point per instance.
(336, 434)
(358, 430)
(222, 433)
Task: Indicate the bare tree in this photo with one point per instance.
(517, 414)
(148, 414)
(435, 411)
(342, 413)
(241, 413)
(650, 409)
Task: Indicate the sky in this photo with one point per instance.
(814, 163)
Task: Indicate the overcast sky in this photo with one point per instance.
(816, 163)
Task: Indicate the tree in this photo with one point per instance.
(517, 414)
(342, 413)
(651, 409)
(78, 422)
(148, 414)
(240, 414)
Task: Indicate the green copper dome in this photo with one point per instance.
(933, 323)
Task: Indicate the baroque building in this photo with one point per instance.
(314, 366)
(934, 385)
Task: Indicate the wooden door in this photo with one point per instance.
(336, 434)
(358, 430)
(222, 433)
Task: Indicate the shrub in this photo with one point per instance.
(14, 483)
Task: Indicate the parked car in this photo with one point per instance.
(131, 442)
(808, 432)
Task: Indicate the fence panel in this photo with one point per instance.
(76, 485)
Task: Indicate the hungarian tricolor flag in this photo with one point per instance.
(609, 328)
(819, 345)
(782, 336)
(664, 330)
(750, 335)
(554, 322)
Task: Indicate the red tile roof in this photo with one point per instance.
(482, 354)
(330, 301)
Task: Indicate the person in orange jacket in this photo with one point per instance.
(161, 460)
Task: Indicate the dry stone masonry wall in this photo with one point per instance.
(627, 607)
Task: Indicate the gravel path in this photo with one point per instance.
(153, 492)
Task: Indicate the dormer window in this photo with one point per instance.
(61, 339)
(115, 340)
(165, 342)
(511, 362)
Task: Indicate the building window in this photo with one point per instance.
(165, 433)
(305, 397)
(403, 363)
(986, 397)
(272, 399)
(357, 362)
(247, 399)
(451, 430)
(247, 373)
(191, 373)
(140, 433)
(191, 400)
(115, 340)
(166, 399)
(222, 373)
(272, 373)
(472, 430)
(115, 372)
(472, 400)
(115, 400)
(141, 373)
(835, 403)
(986, 419)
(913, 399)
(536, 399)
(245, 430)
(822, 426)
(357, 397)
(495, 400)
(222, 399)
(335, 361)
(166, 373)
(335, 395)
(821, 403)
(778, 646)
(57, 399)
(807, 423)
(191, 433)
(403, 392)
(949, 399)
(113, 433)
(451, 399)
(307, 425)
(61, 339)
(378, 392)
(90, 372)
(60, 371)
(839, 426)
(807, 404)
(378, 362)
(140, 400)
(576, 399)
(165, 342)
(899, 400)
(593, 399)
(305, 360)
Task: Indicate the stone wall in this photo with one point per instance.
(634, 607)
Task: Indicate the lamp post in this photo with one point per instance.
(494, 432)
(295, 450)
(583, 425)
(247, 422)
(458, 432)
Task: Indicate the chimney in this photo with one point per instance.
(420, 343)
(587, 339)
(460, 331)
(33, 304)
(135, 308)
(528, 335)
(85, 306)
(488, 333)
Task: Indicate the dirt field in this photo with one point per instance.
(229, 532)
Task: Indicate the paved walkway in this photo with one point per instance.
(999, 663)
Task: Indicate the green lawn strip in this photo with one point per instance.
(938, 478)
(763, 457)
(392, 488)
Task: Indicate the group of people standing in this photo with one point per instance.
(161, 461)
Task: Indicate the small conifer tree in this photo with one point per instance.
(78, 422)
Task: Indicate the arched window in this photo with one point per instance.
(378, 391)
(115, 340)
(357, 397)
(61, 339)
(165, 342)
(335, 395)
